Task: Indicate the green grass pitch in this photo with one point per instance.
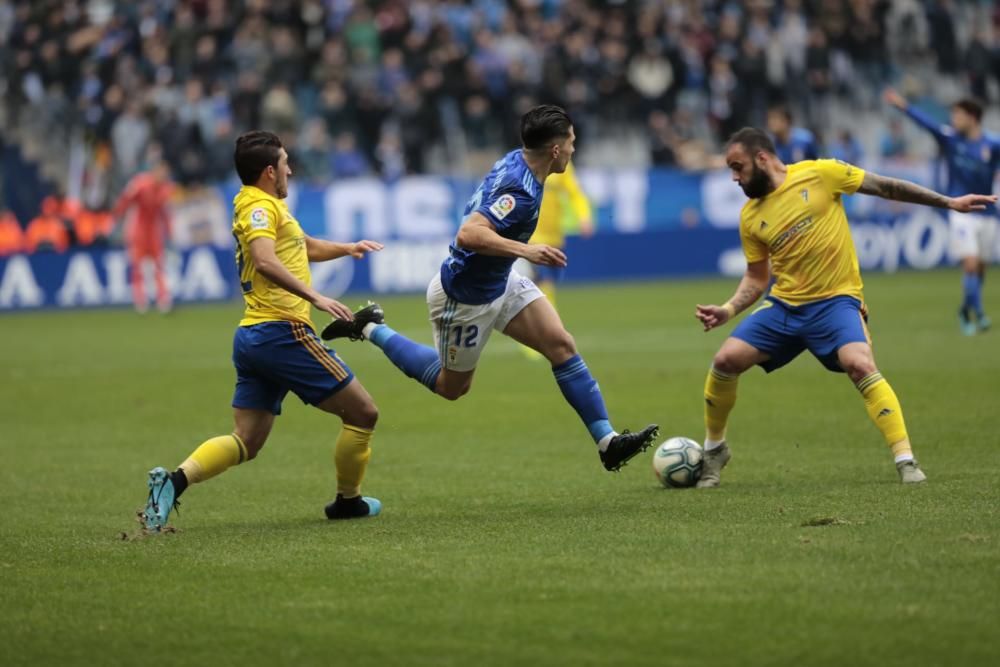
(503, 541)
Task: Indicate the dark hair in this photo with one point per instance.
(783, 110)
(971, 107)
(543, 124)
(256, 151)
(753, 140)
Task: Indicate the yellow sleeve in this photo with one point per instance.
(259, 219)
(577, 199)
(754, 249)
(839, 176)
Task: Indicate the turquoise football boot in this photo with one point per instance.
(965, 323)
(984, 323)
(160, 502)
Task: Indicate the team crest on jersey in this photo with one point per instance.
(763, 224)
(502, 207)
(258, 218)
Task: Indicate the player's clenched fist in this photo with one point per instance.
(712, 316)
(545, 255)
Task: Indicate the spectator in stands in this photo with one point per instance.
(846, 148)
(346, 161)
(311, 163)
(980, 59)
(47, 232)
(792, 143)
(819, 77)
(92, 228)
(662, 140)
(893, 144)
(943, 41)
(12, 239)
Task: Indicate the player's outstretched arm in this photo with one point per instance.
(752, 285)
(478, 234)
(266, 261)
(939, 131)
(319, 250)
(899, 190)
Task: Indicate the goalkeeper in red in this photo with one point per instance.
(794, 228)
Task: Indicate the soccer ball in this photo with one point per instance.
(677, 463)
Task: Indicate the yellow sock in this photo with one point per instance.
(720, 397)
(213, 457)
(351, 456)
(883, 409)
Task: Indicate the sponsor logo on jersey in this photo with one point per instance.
(259, 218)
(794, 231)
(502, 207)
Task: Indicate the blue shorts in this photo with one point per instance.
(822, 327)
(274, 358)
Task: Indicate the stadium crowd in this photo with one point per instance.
(392, 87)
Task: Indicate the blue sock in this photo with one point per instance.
(978, 302)
(581, 391)
(972, 299)
(417, 361)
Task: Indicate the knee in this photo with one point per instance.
(727, 362)
(560, 348)
(858, 367)
(453, 393)
(363, 416)
(253, 442)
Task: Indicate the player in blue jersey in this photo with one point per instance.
(791, 144)
(972, 158)
(477, 291)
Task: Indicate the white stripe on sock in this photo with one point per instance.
(603, 443)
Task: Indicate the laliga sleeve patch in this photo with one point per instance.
(502, 206)
(259, 219)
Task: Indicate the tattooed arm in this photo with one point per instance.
(905, 191)
(752, 285)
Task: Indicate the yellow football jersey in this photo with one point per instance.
(563, 206)
(802, 228)
(257, 214)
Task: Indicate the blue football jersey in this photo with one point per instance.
(801, 145)
(971, 164)
(509, 197)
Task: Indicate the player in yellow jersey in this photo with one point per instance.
(564, 210)
(795, 228)
(275, 349)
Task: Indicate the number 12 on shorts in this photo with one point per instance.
(465, 336)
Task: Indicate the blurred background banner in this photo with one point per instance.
(650, 224)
